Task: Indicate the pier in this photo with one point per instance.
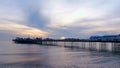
(97, 46)
(72, 43)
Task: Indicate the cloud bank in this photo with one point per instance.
(59, 18)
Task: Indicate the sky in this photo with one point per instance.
(58, 18)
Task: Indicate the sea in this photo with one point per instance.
(80, 55)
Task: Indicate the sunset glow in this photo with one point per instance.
(58, 18)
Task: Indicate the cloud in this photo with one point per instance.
(11, 12)
(82, 17)
(60, 18)
(32, 10)
(23, 30)
(16, 18)
(64, 14)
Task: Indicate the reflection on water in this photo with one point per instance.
(82, 55)
(98, 46)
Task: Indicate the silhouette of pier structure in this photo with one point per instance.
(49, 41)
(73, 43)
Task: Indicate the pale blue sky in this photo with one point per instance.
(58, 18)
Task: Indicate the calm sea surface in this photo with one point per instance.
(87, 55)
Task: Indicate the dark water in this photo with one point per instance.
(37, 56)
